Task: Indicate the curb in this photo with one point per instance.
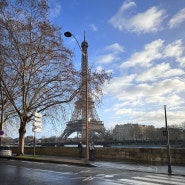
(56, 161)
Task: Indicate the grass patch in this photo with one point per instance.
(29, 157)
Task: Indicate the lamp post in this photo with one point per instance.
(69, 34)
(168, 143)
(2, 111)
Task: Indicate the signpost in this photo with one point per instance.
(1, 135)
(37, 126)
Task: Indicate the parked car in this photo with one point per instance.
(5, 151)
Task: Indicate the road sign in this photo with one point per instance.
(38, 115)
(35, 129)
(38, 119)
(37, 124)
(1, 133)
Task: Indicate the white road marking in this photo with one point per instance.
(32, 162)
(12, 166)
(157, 179)
(85, 171)
(100, 175)
(134, 182)
(160, 180)
(173, 178)
(109, 176)
(64, 165)
(88, 178)
(50, 171)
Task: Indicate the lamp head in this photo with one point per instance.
(68, 34)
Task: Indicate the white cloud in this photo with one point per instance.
(55, 9)
(177, 19)
(181, 60)
(157, 50)
(157, 80)
(118, 19)
(153, 73)
(140, 102)
(175, 49)
(156, 89)
(162, 70)
(106, 58)
(110, 54)
(118, 85)
(156, 117)
(140, 106)
(145, 22)
(125, 89)
(153, 113)
(152, 51)
(94, 27)
(115, 48)
(126, 5)
(173, 73)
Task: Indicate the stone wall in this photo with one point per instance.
(142, 155)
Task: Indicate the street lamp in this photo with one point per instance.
(69, 34)
(168, 143)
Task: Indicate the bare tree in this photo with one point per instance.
(108, 135)
(6, 110)
(182, 127)
(38, 65)
(150, 133)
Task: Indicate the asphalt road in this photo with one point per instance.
(34, 173)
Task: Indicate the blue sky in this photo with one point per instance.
(142, 43)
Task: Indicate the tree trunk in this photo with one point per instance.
(2, 120)
(22, 132)
(1, 128)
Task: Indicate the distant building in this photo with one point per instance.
(28, 140)
(130, 132)
(122, 132)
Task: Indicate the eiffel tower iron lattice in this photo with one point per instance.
(77, 122)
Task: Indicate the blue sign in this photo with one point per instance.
(1, 132)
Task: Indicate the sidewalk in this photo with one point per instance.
(158, 169)
(55, 159)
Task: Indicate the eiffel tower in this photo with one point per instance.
(77, 122)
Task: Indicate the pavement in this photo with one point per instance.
(137, 167)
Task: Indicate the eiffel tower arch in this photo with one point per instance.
(77, 122)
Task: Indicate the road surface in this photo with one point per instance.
(34, 173)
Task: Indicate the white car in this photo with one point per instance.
(5, 151)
